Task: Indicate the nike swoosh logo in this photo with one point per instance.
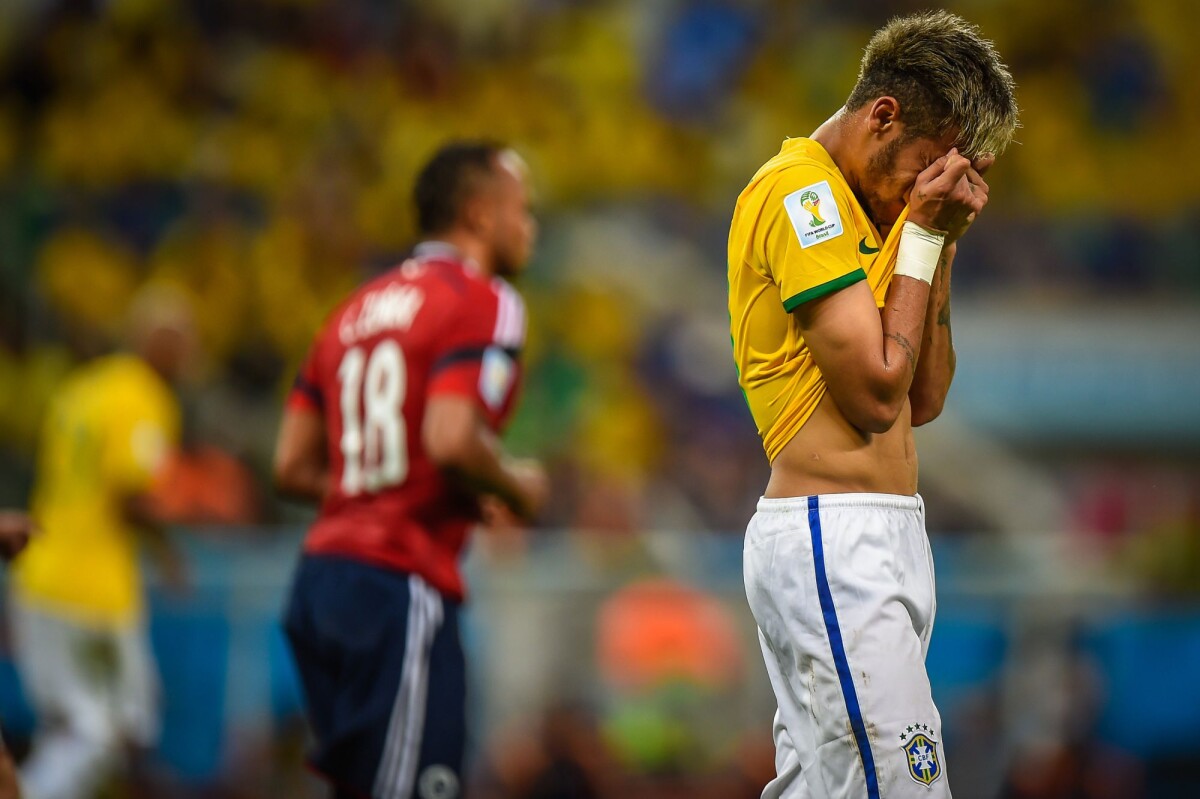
(865, 249)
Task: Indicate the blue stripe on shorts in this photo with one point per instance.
(839, 651)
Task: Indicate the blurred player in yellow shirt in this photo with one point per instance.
(77, 610)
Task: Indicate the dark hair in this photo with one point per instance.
(448, 179)
(946, 77)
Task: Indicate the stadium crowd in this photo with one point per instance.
(258, 155)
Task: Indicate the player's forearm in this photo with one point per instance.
(466, 450)
(935, 369)
(482, 467)
(301, 467)
(903, 318)
(308, 484)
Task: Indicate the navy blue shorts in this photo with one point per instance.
(382, 666)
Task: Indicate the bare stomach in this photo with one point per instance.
(831, 456)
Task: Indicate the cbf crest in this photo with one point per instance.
(920, 748)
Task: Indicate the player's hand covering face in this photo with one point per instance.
(892, 172)
(949, 194)
(978, 188)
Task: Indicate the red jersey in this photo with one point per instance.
(433, 325)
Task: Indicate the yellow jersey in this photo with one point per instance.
(107, 433)
(798, 233)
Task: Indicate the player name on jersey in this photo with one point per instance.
(390, 308)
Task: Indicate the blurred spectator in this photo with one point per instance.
(261, 158)
(1067, 760)
(1166, 559)
(206, 485)
(656, 631)
(704, 52)
(562, 757)
(668, 654)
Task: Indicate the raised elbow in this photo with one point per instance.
(876, 417)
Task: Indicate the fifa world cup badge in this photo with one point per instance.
(814, 214)
(920, 748)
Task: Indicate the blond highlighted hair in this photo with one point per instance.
(946, 77)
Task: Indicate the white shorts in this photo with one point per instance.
(841, 586)
(100, 683)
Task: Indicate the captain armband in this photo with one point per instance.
(919, 251)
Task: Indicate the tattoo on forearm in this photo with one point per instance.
(900, 339)
(943, 290)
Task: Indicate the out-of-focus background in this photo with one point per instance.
(259, 156)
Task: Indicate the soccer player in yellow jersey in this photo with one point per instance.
(77, 610)
(840, 254)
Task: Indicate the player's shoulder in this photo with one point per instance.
(486, 305)
(417, 292)
(361, 308)
(510, 314)
(802, 185)
(120, 374)
(452, 287)
(800, 164)
(467, 286)
(121, 386)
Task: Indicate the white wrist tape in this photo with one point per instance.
(919, 251)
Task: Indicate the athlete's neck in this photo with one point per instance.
(470, 249)
(838, 136)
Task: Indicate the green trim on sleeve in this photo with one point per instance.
(838, 283)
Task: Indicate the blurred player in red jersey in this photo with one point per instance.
(392, 426)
